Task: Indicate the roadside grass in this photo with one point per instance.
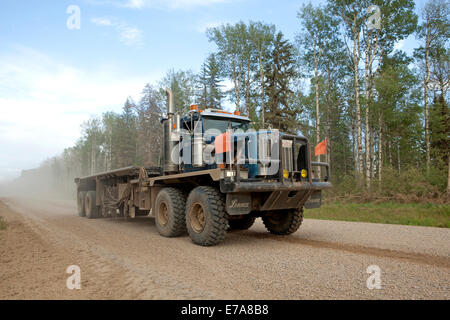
(415, 214)
(2, 223)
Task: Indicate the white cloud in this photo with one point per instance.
(227, 104)
(135, 4)
(399, 45)
(128, 35)
(43, 103)
(102, 21)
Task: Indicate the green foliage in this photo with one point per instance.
(150, 110)
(182, 84)
(439, 130)
(437, 176)
(209, 93)
(280, 73)
(235, 59)
(427, 214)
(409, 185)
(319, 37)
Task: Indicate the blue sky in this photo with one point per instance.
(53, 78)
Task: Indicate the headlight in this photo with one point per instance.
(304, 173)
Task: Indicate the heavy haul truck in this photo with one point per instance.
(209, 183)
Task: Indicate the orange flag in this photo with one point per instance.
(223, 142)
(321, 148)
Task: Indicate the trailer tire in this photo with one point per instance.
(169, 215)
(283, 222)
(206, 218)
(91, 207)
(81, 196)
(244, 223)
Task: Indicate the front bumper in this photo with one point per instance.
(276, 194)
(228, 186)
(235, 184)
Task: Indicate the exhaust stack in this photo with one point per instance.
(169, 141)
(170, 107)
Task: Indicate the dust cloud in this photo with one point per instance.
(43, 182)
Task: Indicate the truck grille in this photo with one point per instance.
(287, 155)
(294, 156)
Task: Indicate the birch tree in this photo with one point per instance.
(319, 31)
(432, 31)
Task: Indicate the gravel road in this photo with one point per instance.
(129, 260)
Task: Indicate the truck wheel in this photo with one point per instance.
(91, 207)
(206, 219)
(170, 204)
(283, 222)
(242, 224)
(81, 196)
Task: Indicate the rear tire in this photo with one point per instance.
(206, 219)
(81, 196)
(169, 216)
(283, 222)
(90, 206)
(244, 223)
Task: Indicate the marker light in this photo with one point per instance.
(285, 174)
(304, 173)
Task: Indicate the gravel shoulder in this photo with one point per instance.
(128, 259)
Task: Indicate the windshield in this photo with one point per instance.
(223, 124)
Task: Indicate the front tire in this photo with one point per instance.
(283, 222)
(169, 216)
(206, 219)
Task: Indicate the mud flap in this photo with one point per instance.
(315, 201)
(239, 203)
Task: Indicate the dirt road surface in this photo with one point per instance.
(129, 260)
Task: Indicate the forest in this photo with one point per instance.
(384, 113)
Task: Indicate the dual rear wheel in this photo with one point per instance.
(202, 214)
(206, 218)
(86, 204)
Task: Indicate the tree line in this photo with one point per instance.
(343, 78)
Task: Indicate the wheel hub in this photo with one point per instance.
(197, 218)
(163, 214)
